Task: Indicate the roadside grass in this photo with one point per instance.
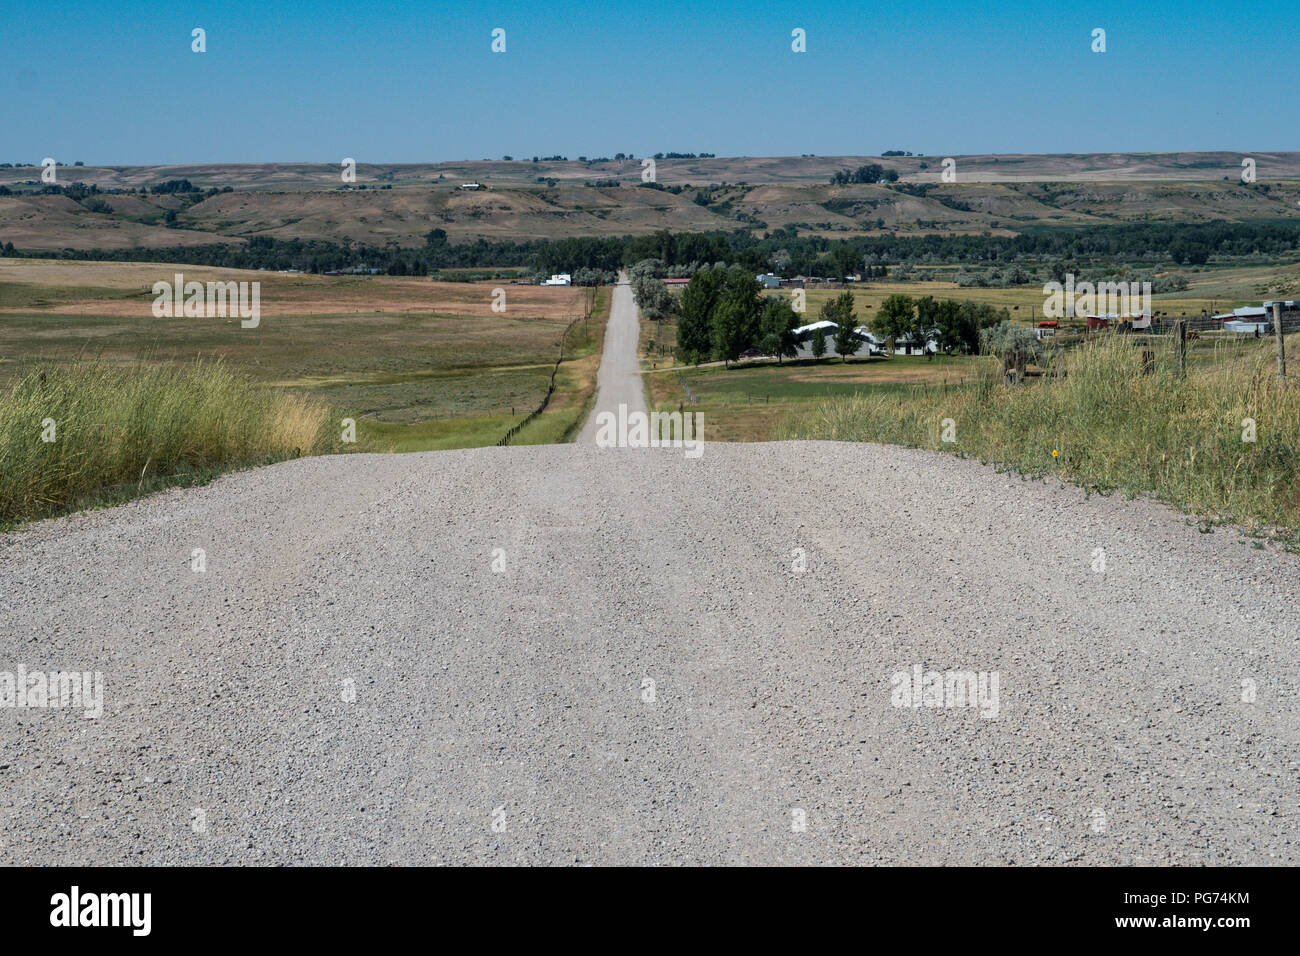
(120, 432)
(663, 335)
(1112, 428)
(435, 434)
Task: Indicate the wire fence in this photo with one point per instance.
(550, 389)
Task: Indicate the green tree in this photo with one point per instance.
(776, 327)
(930, 316)
(818, 343)
(728, 331)
(736, 317)
(653, 298)
(645, 268)
(846, 261)
(840, 311)
(896, 318)
(695, 314)
(957, 325)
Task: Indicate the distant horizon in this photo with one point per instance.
(569, 158)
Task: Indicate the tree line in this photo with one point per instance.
(1060, 249)
(783, 251)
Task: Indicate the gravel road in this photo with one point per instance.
(360, 676)
(618, 382)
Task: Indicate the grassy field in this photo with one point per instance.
(749, 401)
(141, 403)
(575, 385)
(1107, 426)
(417, 364)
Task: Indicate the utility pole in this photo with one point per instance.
(1281, 344)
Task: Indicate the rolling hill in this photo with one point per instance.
(554, 199)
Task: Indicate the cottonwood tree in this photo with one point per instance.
(645, 269)
(653, 298)
(957, 325)
(844, 261)
(695, 314)
(776, 326)
(591, 277)
(896, 318)
(736, 316)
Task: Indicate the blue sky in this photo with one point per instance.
(118, 84)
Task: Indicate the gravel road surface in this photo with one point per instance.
(573, 655)
(618, 381)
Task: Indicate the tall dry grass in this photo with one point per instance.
(120, 431)
(1113, 427)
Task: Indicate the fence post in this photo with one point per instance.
(1180, 347)
(1281, 344)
